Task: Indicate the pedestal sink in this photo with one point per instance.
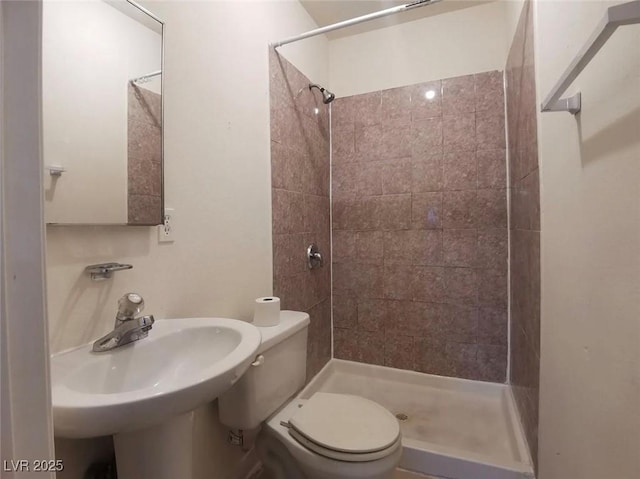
(143, 393)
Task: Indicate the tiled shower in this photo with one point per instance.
(420, 227)
(524, 226)
(300, 203)
(424, 202)
(419, 222)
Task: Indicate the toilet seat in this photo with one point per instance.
(345, 427)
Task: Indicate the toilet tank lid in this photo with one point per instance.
(290, 323)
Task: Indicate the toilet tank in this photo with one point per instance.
(269, 382)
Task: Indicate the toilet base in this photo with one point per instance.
(276, 459)
(281, 463)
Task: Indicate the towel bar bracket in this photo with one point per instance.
(572, 104)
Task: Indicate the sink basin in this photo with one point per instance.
(182, 364)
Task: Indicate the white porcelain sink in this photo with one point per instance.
(182, 364)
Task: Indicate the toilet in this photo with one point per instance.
(326, 436)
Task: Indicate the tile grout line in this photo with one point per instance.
(331, 226)
(508, 191)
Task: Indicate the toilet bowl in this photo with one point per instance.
(322, 438)
(327, 436)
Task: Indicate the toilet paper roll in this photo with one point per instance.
(267, 311)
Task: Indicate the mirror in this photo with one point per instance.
(102, 113)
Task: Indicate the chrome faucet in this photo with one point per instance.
(127, 327)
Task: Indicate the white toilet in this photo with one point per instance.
(327, 436)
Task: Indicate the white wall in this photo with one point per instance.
(469, 40)
(27, 429)
(513, 9)
(90, 52)
(217, 177)
(590, 200)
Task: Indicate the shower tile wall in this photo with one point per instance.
(300, 202)
(420, 227)
(525, 226)
(144, 157)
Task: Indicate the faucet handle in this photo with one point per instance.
(130, 305)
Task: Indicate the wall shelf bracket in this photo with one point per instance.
(102, 271)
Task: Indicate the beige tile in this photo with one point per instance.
(459, 209)
(460, 247)
(460, 170)
(492, 285)
(371, 347)
(459, 324)
(492, 325)
(343, 142)
(396, 103)
(317, 213)
(417, 247)
(358, 280)
(492, 248)
(344, 246)
(461, 286)
(458, 95)
(367, 108)
(389, 212)
(342, 112)
(426, 210)
(427, 173)
(371, 314)
(412, 318)
(490, 133)
(368, 142)
(459, 132)
(426, 100)
(491, 168)
(491, 208)
(345, 344)
(492, 363)
(427, 137)
(427, 284)
(288, 254)
(396, 176)
(489, 88)
(345, 312)
(288, 212)
(286, 173)
(396, 139)
(399, 352)
(369, 248)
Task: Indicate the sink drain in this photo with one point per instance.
(401, 416)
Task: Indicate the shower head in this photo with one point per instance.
(327, 96)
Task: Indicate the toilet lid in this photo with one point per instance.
(345, 423)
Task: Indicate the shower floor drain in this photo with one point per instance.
(401, 416)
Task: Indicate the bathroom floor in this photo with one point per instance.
(399, 474)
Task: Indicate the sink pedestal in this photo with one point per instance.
(159, 452)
